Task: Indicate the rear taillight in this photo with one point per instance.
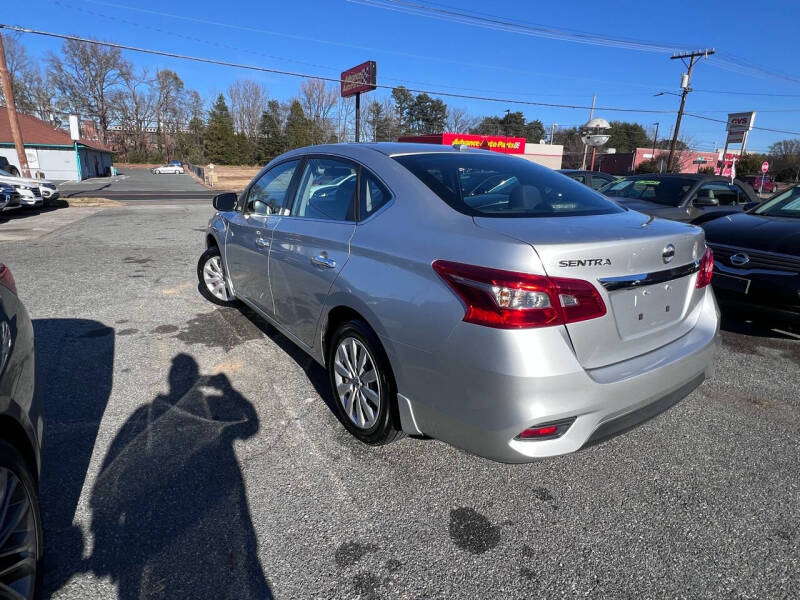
(6, 279)
(706, 269)
(511, 300)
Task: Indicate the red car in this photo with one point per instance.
(770, 185)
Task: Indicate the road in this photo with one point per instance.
(134, 184)
(191, 453)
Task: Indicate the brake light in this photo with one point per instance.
(6, 279)
(706, 269)
(512, 300)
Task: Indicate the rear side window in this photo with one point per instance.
(326, 190)
(668, 191)
(487, 185)
(372, 195)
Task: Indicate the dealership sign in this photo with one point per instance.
(363, 78)
(740, 122)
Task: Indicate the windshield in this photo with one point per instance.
(786, 204)
(502, 186)
(669, 191)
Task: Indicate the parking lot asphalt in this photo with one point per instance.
(138, 184)
(191, 453)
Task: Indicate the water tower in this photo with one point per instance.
(595, 133)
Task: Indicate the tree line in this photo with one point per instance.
(151, 116)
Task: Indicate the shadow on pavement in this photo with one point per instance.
(74, 367)
(22, 213)
(170, 517)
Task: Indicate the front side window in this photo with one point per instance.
(725, 194)
(518, 188)
(327, 190)
(268, 195)
(667, 192)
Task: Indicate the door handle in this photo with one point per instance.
(262, 243)
(324, 261)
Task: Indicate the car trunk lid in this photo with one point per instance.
(644, 268)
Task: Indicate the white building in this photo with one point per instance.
(548, 155)
(50, 151)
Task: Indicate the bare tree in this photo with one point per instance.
(249, 100)
(459, 120)
(86, 76)
(318, 99)
(136, 111)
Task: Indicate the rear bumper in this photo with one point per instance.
(483, 395)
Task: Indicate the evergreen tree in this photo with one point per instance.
(220, 141)
(271, 141)
(299, 131)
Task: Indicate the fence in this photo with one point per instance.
(200, 172)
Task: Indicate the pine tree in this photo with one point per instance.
(271, 141)
(220, 141)
(298, 128)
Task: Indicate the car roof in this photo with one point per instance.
(586, 171)
(695, 176)
(387, 148)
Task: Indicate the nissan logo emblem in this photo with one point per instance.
(740, 259)
(668, 253)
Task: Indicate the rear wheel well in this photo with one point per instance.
(337, 316)
(15, 435)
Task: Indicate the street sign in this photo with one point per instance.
(764, 167)
(74, 128)
(357, 80)
(740, 122)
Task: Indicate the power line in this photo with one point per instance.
(226, 63)
(429, 57)
(455, 15)
(754, 127)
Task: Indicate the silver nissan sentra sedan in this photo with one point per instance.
(467, 295)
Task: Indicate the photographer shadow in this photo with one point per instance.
(170, 517)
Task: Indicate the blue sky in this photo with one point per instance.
(324, 37)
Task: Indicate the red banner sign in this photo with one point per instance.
(362, 78)
(497, 143)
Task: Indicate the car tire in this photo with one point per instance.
(17, 480)
(210, 268)
(368, 408)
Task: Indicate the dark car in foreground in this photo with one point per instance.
(21, 429)
(681, 196)
(594, 179)
(757, 256)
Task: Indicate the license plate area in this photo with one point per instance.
(730, 283)
(641, 310)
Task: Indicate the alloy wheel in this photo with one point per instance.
(214, 278)
(357, 382)
(19, 549)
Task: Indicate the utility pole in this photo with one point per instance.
(655, 142)
(11, 111)
(585, 147)
(553, 132)
(685, 82)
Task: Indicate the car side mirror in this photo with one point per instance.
(705, 201)
(225, 202)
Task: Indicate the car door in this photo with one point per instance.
(250, 233)
(312, 244)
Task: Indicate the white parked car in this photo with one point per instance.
(168, 170)
(33, 193)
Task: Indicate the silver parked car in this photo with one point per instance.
(516, 324)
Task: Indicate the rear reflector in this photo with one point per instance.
(706, 269)
(512, 300)
(546, 431)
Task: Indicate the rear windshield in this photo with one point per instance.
(502, 186)
(669, 191)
